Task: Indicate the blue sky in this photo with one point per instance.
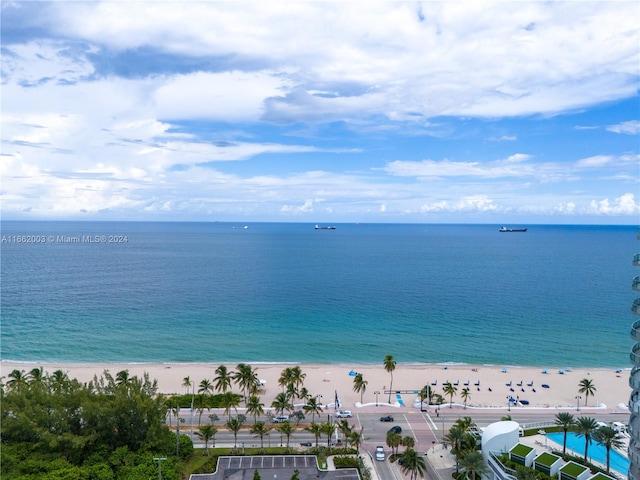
(459, 111)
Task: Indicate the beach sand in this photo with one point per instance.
(612, 388)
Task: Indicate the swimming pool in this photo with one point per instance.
(596, 452)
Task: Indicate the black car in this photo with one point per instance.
(305, 444)
(388, 418)
(395, 429)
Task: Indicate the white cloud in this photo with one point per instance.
(135, 107)
(623, 205)
(306, 207)
(509, 167)
(595, 161)
(479, 203)
(228, 96)
(382, 59)
(632, 127)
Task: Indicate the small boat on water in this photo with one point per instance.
(505, 229)
(325, 228)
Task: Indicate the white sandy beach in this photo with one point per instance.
(327, 379)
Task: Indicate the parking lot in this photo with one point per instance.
(274, 466)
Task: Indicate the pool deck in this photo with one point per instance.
(543, 444)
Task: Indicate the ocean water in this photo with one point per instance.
(285, 292)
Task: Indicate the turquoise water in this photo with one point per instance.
(213, 292)
(596, 451)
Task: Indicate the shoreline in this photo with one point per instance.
(549, 366)
(489, 386)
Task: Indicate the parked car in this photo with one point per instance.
(395, 429)
(305, 444)
(280, 419)
(343, 414)
(380, 453)
(388, 418)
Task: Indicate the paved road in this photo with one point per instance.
(425, 427)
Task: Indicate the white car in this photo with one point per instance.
(343, 414)
(280, 419)
(380, 453)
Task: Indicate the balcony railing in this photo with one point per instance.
(635, 330)
(635, 307)
(635, 285)
(636, 260)
(634, 356)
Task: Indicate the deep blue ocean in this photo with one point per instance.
(285, 292)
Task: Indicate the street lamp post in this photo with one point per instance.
(193, 394)
(578, 397)
(376, 393)
(159, 460)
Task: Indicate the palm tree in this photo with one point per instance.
(585, 427)
(205, 387)
(456, 438)
(328, 429)
(408, 442)
(465, 423)
(36, 376)
(466, 395)
(565, 421)
(281, 403)
(355, 439)
(609, 438)
(394, 440)
(287, 429)
(206, 433)
(297, 376)
(450, 390)
(223, 379)
(313, 407)
(123, 379)
(186, 383)
(200, 403)
(359, 385)
(345, 428)
(473, 464)
(286, 378)
(255, 407)
(304, 394)
(169, 403)
(235, 424)
(413, 464)
(228, 401)
(18, 379)
(460, 440)
(316, 430)
(57, 380)
(247, 379)
(389, 365)
(292, 391)
(587, 388)
(425, 394)
(260, 429)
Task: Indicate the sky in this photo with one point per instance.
(326, 111)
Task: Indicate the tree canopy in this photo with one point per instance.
(109, 428)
